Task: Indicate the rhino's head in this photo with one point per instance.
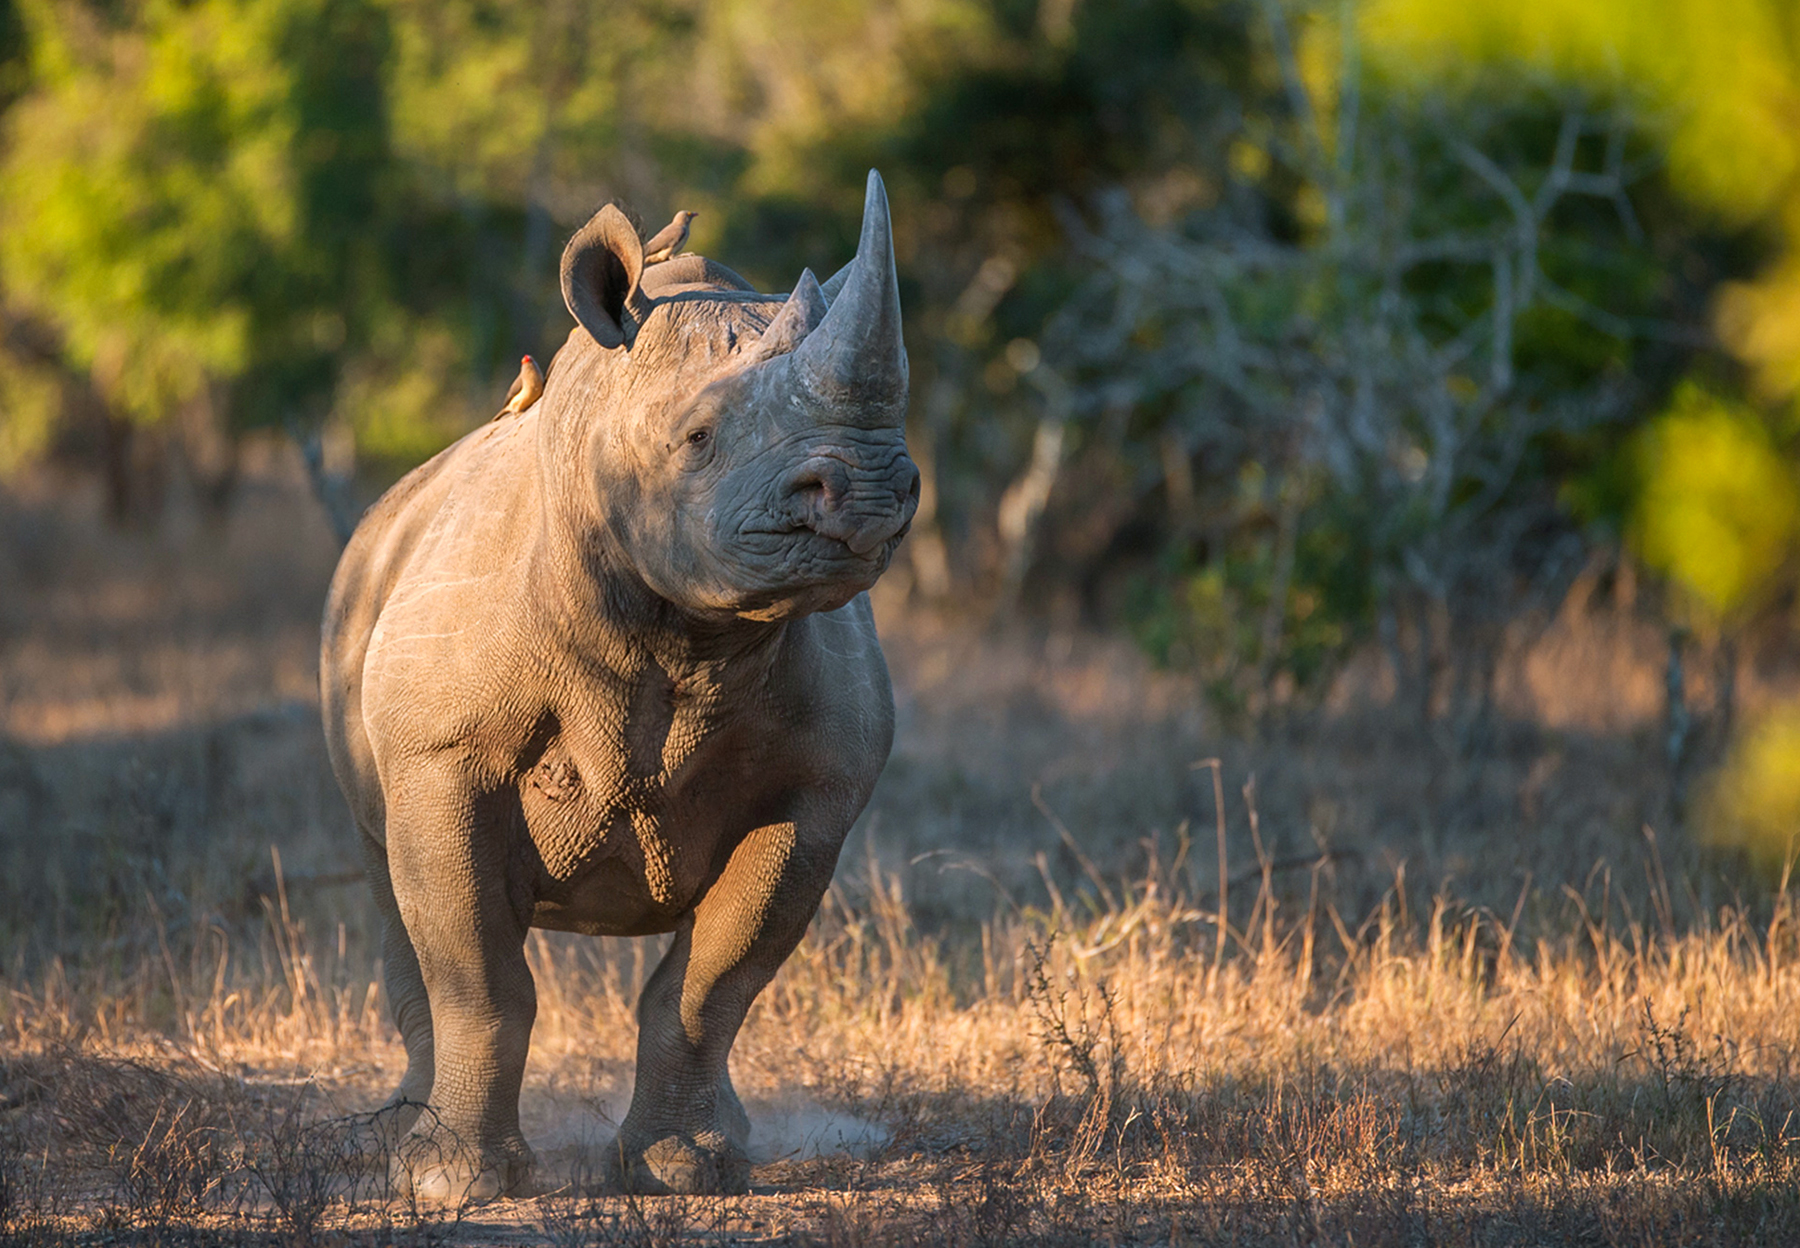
(747, 452)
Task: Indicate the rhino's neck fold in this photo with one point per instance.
(605, 611)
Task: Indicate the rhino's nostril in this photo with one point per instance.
(819, 482)
(861, 506)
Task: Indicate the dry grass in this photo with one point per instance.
(1455, 1000)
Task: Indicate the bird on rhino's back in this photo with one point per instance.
(609, 667)
(667, 242)
(526, 388)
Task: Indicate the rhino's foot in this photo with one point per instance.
(435, 1169)
(678, 1166)
(368, 1144)
(391, 1125)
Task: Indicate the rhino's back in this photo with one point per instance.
(496, 462)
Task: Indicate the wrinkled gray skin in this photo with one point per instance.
(608, 666)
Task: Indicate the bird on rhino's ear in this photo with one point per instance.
(601, 268)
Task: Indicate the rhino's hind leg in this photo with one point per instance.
(407, 1000)
(686, 1131)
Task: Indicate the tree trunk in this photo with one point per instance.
(209, 453)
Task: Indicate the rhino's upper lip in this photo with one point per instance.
(798, 528)
(792, 528)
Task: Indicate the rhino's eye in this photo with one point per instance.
(699, 437)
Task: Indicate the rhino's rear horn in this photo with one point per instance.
(857, 353)
(600, 271)
(834, 285)
(799, 316)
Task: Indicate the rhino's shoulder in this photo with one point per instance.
(444, 570)
(388, 536)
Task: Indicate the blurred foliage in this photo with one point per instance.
(1711, 489)
(1382, 390)
(31, 402)
(1753, 802)
(1719, 79)
(186, 195)
(1264, 327)
(1719, 509)
(1718, 83)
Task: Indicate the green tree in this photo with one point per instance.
(1717, 83)
(1376, 398)
(191, 202)
(1718, 80)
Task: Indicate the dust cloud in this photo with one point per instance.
(798, 1130)
(570, 1131)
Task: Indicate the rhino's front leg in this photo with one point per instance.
(449, 873)
(686, 1132)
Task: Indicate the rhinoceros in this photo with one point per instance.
(608, 666)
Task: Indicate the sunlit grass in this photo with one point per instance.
(1062, 1073)
(1539, 1027)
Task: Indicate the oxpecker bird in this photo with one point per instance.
(526, 387)
(669, 240)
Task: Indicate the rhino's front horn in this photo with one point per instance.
(856, 356)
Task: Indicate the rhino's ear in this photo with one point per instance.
(600, 271)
